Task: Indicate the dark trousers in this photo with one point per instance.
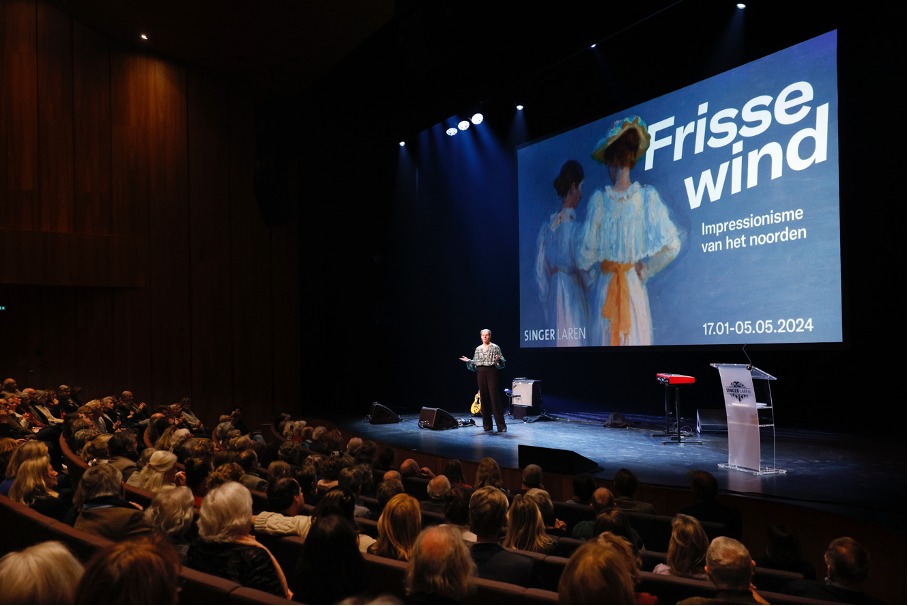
(490, 397)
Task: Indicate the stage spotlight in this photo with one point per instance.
(477, 118)
(451, 131)
(402, 144)
(463, 124)
(520, 107)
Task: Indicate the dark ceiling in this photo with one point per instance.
(275, 46)
(421, 61)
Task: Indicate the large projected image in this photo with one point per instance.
(707, 216)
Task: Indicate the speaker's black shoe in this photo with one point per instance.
(487, 429)
(503, 430)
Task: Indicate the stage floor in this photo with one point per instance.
(861, 477)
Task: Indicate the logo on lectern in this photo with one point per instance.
(739, 391)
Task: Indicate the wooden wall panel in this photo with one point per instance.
(169, 264)
(91, 144)
(18, 116)
(67, 259)
(145, 264)
(130, 171)
(55, 121)
(209, 221)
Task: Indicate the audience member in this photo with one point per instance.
(195, 424)
(287, 505)
(44, 573)
(616, 521)
(707, 507)
(66, 400)
(96, 451)
(602, 500)
(386, 489)
(10, 427)
(340, 501)
(351, 478)
(553, 526)
(386, 459)
(625, 487)
(353, 446)
(172, 515)
(27, 450)
(783, 552)
(329, 471)
(7, 447)
(438, 490)
(596, 573)
(525, 528)
(160, 472)
(398, 525)
(331, 567)
(122, 449)
(36, 486)
(531, 477)
(130, 413)
(457, 512)
(632, 559)
(440, 568)
(140, 570)
(847, 567)
(197, 469)
(488, 516)
(225, 472)
(583, 485)
(101, 507)
(248, 459)
(225, 546)
(686, 556)
(454, 472)
(278, 469)
(730, 568)
(410, 468)
(488, 473)
(368, 453)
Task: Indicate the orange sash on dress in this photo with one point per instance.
(617, 307)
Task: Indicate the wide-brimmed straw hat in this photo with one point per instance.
(618, 129)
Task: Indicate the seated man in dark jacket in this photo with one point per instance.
(104, 509)
(488, 514)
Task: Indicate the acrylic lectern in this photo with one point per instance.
(748, 418)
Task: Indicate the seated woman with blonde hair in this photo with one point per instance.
(36, 486)
(398, 526)
(160, 472)
(526, 529)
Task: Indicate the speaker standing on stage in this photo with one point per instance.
(486, 361)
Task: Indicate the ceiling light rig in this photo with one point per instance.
(476, 119)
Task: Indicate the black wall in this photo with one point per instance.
(408, 281)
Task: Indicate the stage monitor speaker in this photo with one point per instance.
(713, 419)
(436, 418)
(379, 415)
(526, 392)
(554, 460)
